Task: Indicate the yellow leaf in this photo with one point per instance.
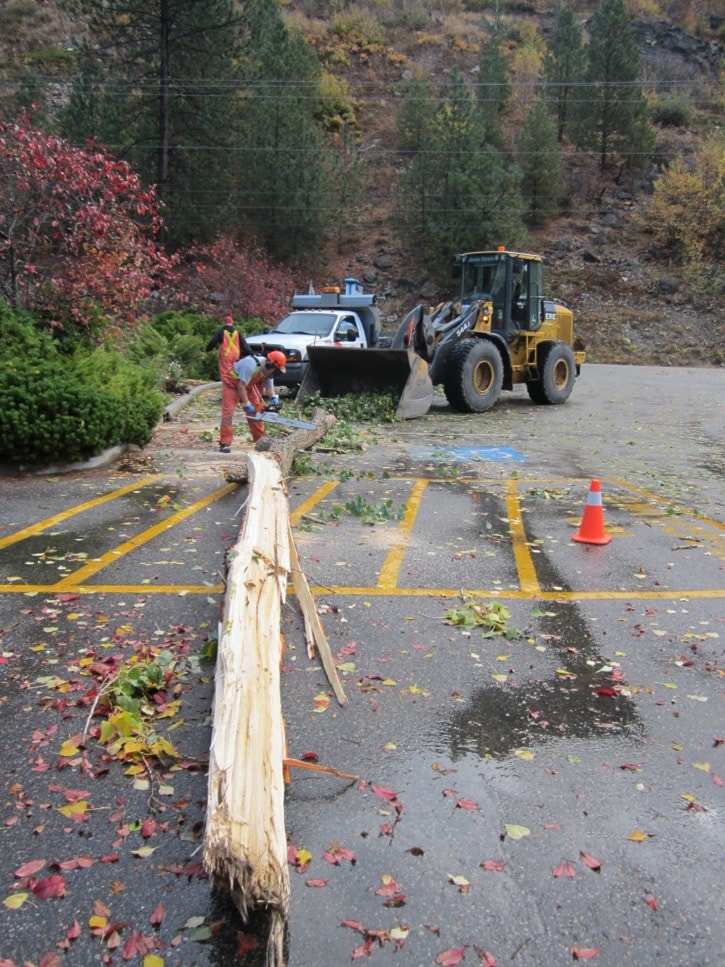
(15, 900)
(525, 754)
(68, 749)
(153, 960)
(302, 857)
(704, 766)
(97, 922)
(638, 836)
(399, 933)
(668, 684)
(513, 831)
(502, 658)
(500, 678)
(144, 851)
(74, 808)
(388, 681)
(687, 796)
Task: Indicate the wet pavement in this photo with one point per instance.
(551, 795)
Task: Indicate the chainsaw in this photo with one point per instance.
(270, 414)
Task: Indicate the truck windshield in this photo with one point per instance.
(307, 323)
(483, 276)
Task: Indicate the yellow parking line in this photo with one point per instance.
(522, 555)
(43, 525)
(306, 506)
(177, 589)
(92, 567)
(388, 577)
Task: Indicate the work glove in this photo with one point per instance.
(250, 410)
(275, 401)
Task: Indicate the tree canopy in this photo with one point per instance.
(77, 230)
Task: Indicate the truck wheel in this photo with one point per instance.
(557, 372)
(473, 376)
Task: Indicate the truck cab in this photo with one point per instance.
(348, 320)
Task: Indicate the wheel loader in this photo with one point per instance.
(501, 331)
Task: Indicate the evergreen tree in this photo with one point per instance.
(157, 85)
(539, 158)
(494, 85)
(349, 187)
(458, 194)
(284, 166)
(565, 67)
(614, 117)
(415, 116)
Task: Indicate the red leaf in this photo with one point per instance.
(717, 780)
(416, 851)
(245, 944)
(387, 794)
(564, 869)
(310, 757)
(148, 828)
(316, 882)
(493, 866)
(651, 902)
(30, 868)
(77, 863)
(591, 861)
(584, 953)
(74, 931)
(51, 960)
(388, 889)
(353, 925)
(466, 804)
(158, 916)
(631, 767)
(449, 958)
(52, 886)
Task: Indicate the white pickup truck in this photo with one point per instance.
(328, 318)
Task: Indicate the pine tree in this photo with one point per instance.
(565, 67)
(539, 157)
(614, 116)
(284, 166)
(157, 84)
(458, 194)
(494, 85)
(414, 116)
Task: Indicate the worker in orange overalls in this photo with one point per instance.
(232, 346)
(255, 378)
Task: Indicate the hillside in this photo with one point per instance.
(629, 306)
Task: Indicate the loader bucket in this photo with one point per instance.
(335, 371)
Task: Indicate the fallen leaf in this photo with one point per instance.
(513, 831)
(564, 869)
(584, 953)
(51, 886)
(449, 958)
(591, 861)
(493, 866)
(651, 902)
(29, 869)
(637, 836)
(15, 900)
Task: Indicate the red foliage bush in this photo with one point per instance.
(239, 279)
(77, 230)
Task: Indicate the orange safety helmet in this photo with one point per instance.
(277, 359)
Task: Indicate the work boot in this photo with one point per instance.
(225, 448)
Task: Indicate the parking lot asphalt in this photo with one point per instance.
(535, 724)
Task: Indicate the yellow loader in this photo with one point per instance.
(501, 331)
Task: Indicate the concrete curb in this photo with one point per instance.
(109, 456)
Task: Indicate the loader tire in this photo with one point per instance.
(557, 372)
(473, 376)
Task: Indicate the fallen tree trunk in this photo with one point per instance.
(285, 446)
(245, 843)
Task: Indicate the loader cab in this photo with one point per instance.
(511, 281)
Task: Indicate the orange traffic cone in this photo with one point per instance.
(591, 529)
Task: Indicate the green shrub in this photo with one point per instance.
(672, 111)
(45, 417)
(136, 387)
